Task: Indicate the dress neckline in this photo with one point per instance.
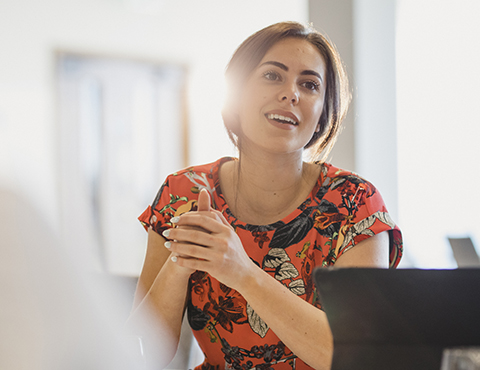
(226, 208)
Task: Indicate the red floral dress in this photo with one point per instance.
(342, 210)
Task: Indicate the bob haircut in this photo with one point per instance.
(337, 96)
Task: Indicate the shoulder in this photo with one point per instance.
(360, 208)
(337, 180)
(348, 194)
(187, 183)
(200, 168)
(197, 174)
(333, 173)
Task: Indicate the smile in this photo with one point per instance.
(282, 119)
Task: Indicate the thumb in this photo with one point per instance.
(203, 200)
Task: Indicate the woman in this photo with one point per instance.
(239, 259)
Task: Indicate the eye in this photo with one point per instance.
(311, 85)
(271, 76)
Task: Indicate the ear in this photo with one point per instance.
(317, 129)
(230, 114)
(231, 119)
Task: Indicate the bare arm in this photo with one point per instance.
(372, 252)
(155, 258)
(159, 303)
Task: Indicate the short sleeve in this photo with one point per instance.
(368, 217)
(158, 219)
(172, 200)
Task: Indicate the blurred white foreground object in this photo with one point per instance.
(54, 314)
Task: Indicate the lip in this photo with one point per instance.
(283, 113)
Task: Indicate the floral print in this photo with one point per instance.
(342, 210)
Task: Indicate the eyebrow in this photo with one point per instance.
(285, 68)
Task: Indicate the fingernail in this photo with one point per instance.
(174, 220)
(166, 233)
(168, 244)
(174, 258)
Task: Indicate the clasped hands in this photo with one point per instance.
(204, 240)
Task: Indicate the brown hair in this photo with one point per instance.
(337, 96)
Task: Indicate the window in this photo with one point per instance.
(122, 129)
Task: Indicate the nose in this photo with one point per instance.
(290, 94)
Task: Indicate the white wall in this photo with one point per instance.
(438, 54)
(376, 122)
(200, 34)
(335, 19)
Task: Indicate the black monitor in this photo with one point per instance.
(399, 319)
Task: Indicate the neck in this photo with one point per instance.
(264, 188)
(270, 173)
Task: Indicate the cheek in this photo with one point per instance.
(320, 111)
(316, 110)
(321, 105)
(254, 102)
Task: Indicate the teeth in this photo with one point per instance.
(281, 118)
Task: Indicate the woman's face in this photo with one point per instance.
(283, 98)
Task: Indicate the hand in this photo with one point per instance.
(210, 244)
(203, 204)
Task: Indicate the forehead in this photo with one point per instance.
(296, 54)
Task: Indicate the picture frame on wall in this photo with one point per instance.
(122, 127)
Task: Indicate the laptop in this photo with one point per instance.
(464, 252)
(399, 319)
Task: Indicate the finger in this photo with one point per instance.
(221, 218)
(188, 251)
(174, 256)
(193, 263)
(209, 213)
(203, 200)
(191, 235)
(211, 223)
